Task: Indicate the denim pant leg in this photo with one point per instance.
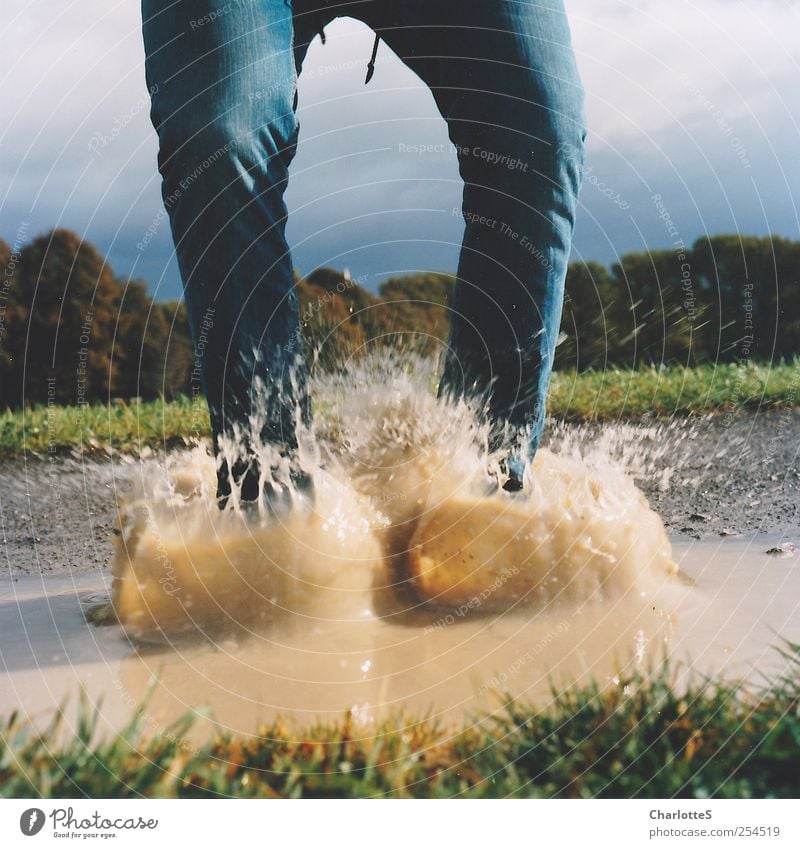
(223, 82)
(504, 76)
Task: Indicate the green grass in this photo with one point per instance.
(591, 396)
(128, 427)
(650, 740)
(724, 389)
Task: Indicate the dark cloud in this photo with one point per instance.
(686, 100)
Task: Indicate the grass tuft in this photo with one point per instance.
(665, 392)
(136, 427)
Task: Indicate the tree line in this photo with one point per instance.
(72, 332)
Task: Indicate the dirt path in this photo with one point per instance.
(713, 475)
(740, 475)
(704, 476)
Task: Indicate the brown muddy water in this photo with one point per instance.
(725, 621)
(406, 585)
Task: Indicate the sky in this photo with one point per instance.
(693, 110)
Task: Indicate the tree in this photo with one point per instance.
(418, 307)
(178, 356)
(590, 335)
(71, 332)
(140, 344)
(752, 291)
(332, 314)
(67, 299)
(652, 318)
(11, 329)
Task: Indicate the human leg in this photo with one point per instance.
(504, 77)
(223, 83)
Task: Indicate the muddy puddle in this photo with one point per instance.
(724, 618)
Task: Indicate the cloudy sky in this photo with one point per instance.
(695, 100)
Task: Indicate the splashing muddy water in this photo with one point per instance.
(405, 582)
(401, 521)
(404, 585)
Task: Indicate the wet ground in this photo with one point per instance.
(706, 477)
(731, 475)
(725, 622)
(728, 489)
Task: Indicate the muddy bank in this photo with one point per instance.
(729, 475)
(710, 475)
(706, 476)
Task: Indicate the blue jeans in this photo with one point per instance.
(503, 74)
